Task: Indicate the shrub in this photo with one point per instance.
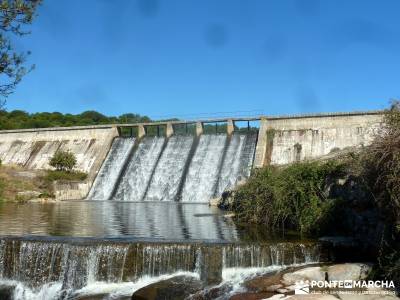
(63, 161)
(291, 197)
(53, 175)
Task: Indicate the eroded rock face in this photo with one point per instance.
(265, 283)
(175, 288)
(273, 286)
(353, 271)
(282, 284)
(211, 292)
(306, 274)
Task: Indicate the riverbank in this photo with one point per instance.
(355, 195)
(19, 184)
(281, 283)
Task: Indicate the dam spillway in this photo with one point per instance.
(181, 168)
(111, 169)
(140, 166)
(169, 171)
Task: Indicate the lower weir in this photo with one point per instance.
(65, 268)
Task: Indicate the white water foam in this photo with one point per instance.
(139, 170)
(202, 175)
(238, 161)
(110, 170)
(53, 290)
(168, 173)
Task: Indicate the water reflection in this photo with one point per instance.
(116, 219)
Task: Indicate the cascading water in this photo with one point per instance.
(182, 168)
(238, 161)
(134, 182)
(168, 173)
(58, 269)
(110, 171)
(259, 256)
(202, 175)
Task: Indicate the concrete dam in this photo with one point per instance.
(125, 162)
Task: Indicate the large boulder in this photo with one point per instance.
(269, 282)
(306, 274)
(350, 271)
(213, 292)
(175, 288)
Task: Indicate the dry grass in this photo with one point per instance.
(15, 179)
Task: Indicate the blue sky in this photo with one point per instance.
(185, 58)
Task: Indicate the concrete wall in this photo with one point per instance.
(286, 140)
(33, 148)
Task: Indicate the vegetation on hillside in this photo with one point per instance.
(300, 196)
(289, 198)
(18, 119)
(55, 175)
(382, 173)
(18, 184)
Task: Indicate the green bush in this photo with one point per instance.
(63, 161)
(53, 175)
(291, 197)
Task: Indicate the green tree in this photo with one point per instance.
(15, 15)
(63, 161)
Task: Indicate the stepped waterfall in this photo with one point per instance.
(181, 168)
(58, 270)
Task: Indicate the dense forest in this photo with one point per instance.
(18, 119)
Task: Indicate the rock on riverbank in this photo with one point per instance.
(276, 285)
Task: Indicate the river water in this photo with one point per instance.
(67, 250)
(146, 219)
(122, 219)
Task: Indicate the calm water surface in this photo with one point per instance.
(111, 219)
